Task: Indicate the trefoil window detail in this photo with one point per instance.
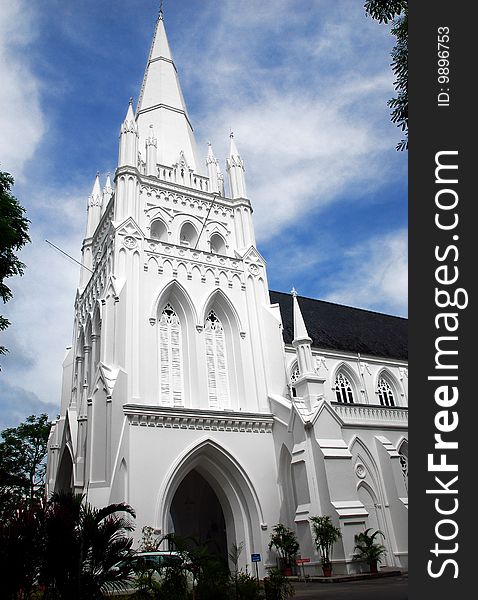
(170, 356)
(218, 389)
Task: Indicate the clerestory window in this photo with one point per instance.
(385, 393)
(343, 389)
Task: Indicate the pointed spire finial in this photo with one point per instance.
(300, 330)
(161, 9)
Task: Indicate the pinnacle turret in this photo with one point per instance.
(212, 170)
(235, 169)
(301, 342)
(107, 193)
(128, 146)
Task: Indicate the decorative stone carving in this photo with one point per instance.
(130, 242)
(360, 471)
(254, 269)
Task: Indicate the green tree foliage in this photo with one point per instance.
(23, 452)
(396, 13)
(13, 236)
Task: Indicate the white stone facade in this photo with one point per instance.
(179, 377)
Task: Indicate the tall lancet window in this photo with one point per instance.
(385, 393)
(343, 389)
(171, 379)
(218, 389)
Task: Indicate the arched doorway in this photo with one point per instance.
(228, 486)
(197, 513)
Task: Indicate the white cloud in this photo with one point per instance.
(41, 311)
(375, 275)
(307, 104)
(22, 123)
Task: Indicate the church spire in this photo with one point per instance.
(161, 104)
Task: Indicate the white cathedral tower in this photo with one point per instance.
(196, 395)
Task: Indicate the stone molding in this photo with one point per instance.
(200, 419)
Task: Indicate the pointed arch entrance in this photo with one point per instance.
(196, 512)
(226, 507)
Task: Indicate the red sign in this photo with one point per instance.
(301, 561)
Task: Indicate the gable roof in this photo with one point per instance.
(336, 327)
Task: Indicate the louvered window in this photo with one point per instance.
(170, 357)
(385, 393)
(343, 389)
(218, 389)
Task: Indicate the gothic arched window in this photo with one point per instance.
(217, 244)
(188, 235)
(170, 357)
(159, 230)
(343, 389)
(385, 393)
(218, 389)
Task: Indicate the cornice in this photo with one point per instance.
(199, 419)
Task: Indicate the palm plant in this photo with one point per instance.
(325, 536)
(21, 548)
(285, 542)
(82, 543)
(368, 550)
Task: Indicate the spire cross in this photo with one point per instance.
(161, 9)
(294, 292)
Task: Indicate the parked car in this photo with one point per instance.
(153, 565)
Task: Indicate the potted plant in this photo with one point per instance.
(368, 550)
(325, 536)
(285, 542)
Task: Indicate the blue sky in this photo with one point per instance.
(303, 85)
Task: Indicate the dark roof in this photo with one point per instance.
(336, 327)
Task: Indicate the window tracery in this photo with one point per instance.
(385, 393)
(343, 389)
